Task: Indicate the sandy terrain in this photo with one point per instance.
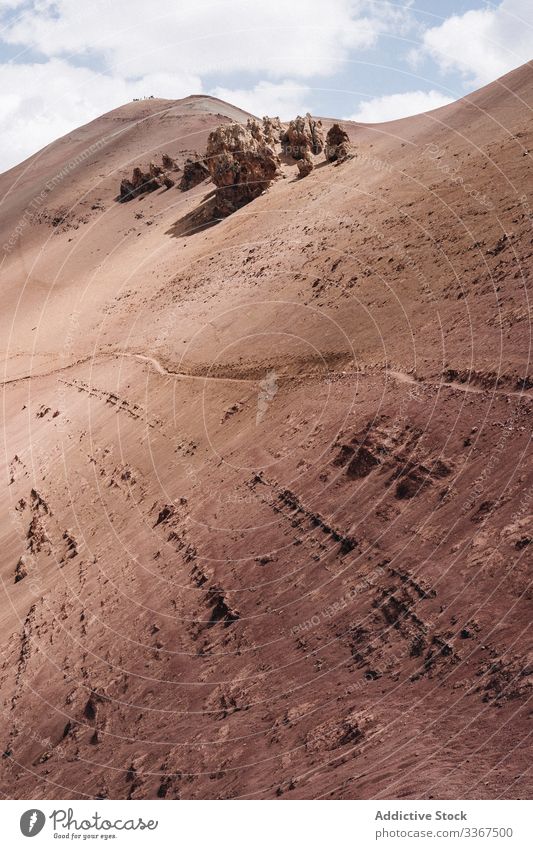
(267, 515)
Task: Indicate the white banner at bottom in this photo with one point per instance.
(258, 824)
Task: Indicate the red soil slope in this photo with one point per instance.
(266, 526)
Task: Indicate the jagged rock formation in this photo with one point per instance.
(142, 182)
(255, 129)
(155, 170)
(194, 173)
(241, 165)
(303, 134)
(242, 160)
(158, 173)
(272, 130)
(338, 146)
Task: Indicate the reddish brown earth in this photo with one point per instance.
(266, 521)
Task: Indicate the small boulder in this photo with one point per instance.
(255, 129)
(139, 183)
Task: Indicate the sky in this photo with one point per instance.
(65, 62)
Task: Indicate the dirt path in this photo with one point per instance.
(468, 388)
(159, 368)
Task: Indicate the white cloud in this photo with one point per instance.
(393, 106)
(285, 99)
(167, 49)
(483, 43)
(40, 102)
(300, 39)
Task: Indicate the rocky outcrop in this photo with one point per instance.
(241, 165)
(301, 136)
(194, 173)
(272, 130)
(169, 163)
(155, 170)
(21, 569)
(338, 147)
(317, 136)
(142, 182)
